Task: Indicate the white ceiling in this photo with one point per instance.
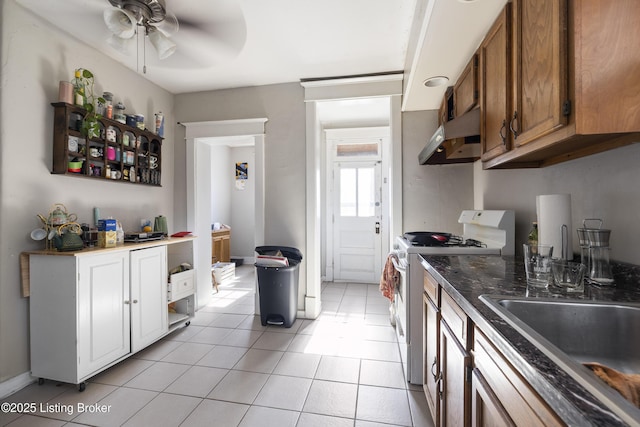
(287, 40)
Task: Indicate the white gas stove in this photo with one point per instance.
(485, 232)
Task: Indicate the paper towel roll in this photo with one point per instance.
(554, 223)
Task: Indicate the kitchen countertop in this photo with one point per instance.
(465, 278)
(126, 246)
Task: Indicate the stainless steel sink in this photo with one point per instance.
(573, 332)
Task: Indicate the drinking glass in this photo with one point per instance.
(537, 265)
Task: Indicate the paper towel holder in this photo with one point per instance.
(564, 231)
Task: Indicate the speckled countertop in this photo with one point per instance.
(466, 278)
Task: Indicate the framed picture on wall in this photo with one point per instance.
(242, 170)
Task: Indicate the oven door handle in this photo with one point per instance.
(397, 266)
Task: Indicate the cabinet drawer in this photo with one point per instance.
(520, 401)
(431, 287)
(181, 285)
(455, 318)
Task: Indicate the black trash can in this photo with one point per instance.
(278, 286)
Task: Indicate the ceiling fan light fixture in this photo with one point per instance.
(163, 44)
(120, 22)
(124, 46)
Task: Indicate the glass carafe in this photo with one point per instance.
(584, 249)
(600, 272)
(600, 268)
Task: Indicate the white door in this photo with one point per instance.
(356, 229)
(149, 315)
(103, 312)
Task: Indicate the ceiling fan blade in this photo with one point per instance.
(232, 34)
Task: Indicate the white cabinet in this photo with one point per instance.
(79, 319)
(148, 296)
(91, 309)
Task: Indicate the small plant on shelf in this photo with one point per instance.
(83, 91)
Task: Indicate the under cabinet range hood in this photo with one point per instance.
(441, 149)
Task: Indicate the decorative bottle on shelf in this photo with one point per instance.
(78, 88)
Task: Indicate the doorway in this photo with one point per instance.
(357, 194)
(199, 137)
(347, 91)
(356, 203)
(233, 194)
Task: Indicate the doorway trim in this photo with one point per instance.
(197, 136)
(336, 89)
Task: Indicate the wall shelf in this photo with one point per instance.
(132, 155)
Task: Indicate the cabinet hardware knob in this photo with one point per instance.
(135, 301)
(514, 120)
(127, 302)
(433, 367)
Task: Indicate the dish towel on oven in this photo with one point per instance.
(390, 278)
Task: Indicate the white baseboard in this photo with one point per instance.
(14, 384)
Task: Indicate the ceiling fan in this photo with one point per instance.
(126, 17)
(205, 33)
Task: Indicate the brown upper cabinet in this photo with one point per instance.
(559, 80)
(465, 92)
(495, 104)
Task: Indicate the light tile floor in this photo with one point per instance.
(226, 369)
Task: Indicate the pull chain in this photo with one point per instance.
(144, 52)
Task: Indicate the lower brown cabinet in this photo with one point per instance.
(501, 396)
(455, 364)
(486, 409)
(220, 243)
(431, 339)
(467, 380)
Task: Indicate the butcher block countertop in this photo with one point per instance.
(127, 246)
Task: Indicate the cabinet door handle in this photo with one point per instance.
(135, 301)
(439, 385)
(127, 302)
(514, 120)
(502, 135)
(433, 367)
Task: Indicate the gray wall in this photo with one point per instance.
(602, 186)
(433, 195)
(35, 57)
(221, 181)
(283, 105)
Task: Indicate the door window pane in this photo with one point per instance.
(357, 192)
(348, 192)
(366, 192)
(357, 149)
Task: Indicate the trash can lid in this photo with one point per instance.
(289, 252)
